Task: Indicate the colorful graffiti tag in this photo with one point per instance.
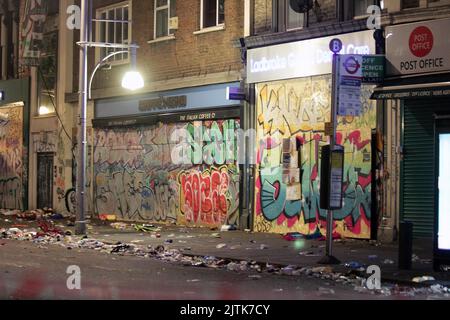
(209, 196)
(291, 117)
(136, 178)
(11, 155)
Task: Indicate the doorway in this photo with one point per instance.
(44, 180)
(443, 203)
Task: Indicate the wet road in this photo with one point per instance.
(29, 271)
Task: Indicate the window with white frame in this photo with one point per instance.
(164, 11)
(212, 13)
(114, 27)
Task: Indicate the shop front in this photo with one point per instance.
(293, 104)
(418, 70)
(14, 129)
(168, 157)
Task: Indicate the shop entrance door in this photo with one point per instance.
(444, 192)
(442, 220)
(45, 180)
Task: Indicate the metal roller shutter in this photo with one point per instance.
(418, 184)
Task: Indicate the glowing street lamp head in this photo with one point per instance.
(132, 81)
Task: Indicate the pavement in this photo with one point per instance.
(28, 271)
(267, 248)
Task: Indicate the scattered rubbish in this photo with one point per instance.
(322, 270)
(373, 257)
(48, 228)
(107, 217)
(308, 254)
(146, 228)
(354, 265)
(29, 215)
(263, 247)
(228, 228)
(423, 279)
(215, 235)
(292, 236)
(56, 216)
(289, 270)
(48, 233)
(235, 247)
(168, 241)
(232, 266)
(11, 213)
(439, 289)
(119, 225)
(221, 245)
(252, 241)
(247, 230)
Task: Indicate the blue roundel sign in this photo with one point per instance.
(336, 45)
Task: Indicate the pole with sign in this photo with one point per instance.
(332, 160)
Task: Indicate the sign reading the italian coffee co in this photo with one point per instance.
(163, 103)
(418, 47)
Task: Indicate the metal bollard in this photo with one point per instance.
(405, 245)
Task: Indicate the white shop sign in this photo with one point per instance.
(415, 48)
(303, 58)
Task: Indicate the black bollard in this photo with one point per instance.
(405, 245)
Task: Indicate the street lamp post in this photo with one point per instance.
(132, 81)
(80, 224)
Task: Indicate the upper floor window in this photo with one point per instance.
(114, 28)
(212, 13)
(349, 9)
(294, 20)
(408, 4)
(165, 10)
(435, 3)
(361, 6)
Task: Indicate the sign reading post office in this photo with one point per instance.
(418, 48)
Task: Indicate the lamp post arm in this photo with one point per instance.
(98, 67)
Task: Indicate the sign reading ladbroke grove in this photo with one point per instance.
(418, 47)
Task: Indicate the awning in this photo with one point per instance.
(412, 91)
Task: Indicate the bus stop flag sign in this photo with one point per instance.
(349, 85)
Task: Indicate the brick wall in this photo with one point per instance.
(188, 55)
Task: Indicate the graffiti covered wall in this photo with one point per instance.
(11, 155)
(136, 177)
(291, 117)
